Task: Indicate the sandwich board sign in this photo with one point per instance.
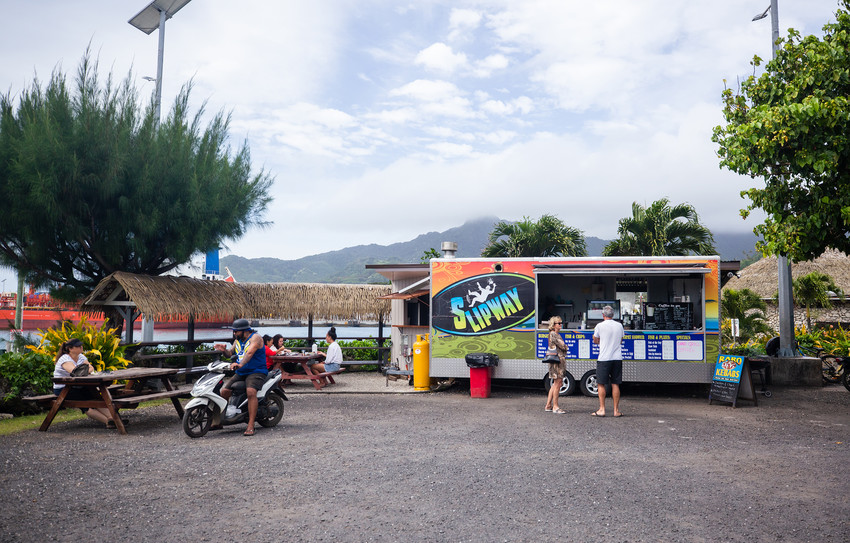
(732, 381)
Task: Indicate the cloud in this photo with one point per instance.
(523, 104)
(462, 22)
(490, 64)
(427, 90)
(440, 58)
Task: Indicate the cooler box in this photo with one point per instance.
(480, 373)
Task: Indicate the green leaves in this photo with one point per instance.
(661, 229)
(789, 126)
(549, 236)
(98, 186)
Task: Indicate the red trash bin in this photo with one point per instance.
(480, 373)
(479, 382)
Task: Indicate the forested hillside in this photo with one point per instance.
(349, 265)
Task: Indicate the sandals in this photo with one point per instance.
(249, 432)
(558, 411)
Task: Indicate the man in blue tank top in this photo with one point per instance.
(251, 367)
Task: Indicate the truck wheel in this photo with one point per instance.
(568, 386)
(588, 384)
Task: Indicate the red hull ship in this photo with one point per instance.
(41, 312)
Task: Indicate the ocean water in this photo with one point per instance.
(221, 334)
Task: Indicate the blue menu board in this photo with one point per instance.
(637, 345)
(730, 373)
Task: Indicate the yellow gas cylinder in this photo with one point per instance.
(421, 364)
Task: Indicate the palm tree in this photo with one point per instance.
(813, 290)
(661, 230)
(549, 236)
(746, 306)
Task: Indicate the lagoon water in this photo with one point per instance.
(221, 334)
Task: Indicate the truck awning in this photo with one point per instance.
(405, 295)
(633, 269)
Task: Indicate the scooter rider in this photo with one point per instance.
(251, 367)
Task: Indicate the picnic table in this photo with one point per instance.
(112, 398)
(304, 359)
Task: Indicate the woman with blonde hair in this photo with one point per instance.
(69, 356)
(556, 371)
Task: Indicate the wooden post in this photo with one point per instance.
(190, 345)
(380, 340)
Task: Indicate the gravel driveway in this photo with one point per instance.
(445, 467)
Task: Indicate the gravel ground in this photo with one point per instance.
(446, 467)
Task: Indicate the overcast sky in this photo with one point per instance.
(381, 120)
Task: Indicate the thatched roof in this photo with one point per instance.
(168, 297)
(762, 277)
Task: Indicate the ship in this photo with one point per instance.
(41, 311)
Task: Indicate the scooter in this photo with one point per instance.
(208, 408)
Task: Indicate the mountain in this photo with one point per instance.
(349, 265)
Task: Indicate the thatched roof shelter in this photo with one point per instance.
(761, 277)
(168, 297)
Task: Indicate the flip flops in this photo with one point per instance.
(558, 411)
(249, 432)
(596, 414)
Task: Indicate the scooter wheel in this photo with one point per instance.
(274, 410)
(197, 420)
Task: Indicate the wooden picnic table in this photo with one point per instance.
(304, 360)
(113, 399)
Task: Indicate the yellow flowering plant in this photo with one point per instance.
(101, 346)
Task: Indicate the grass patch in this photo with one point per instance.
(32, 422)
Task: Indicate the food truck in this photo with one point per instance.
(669, 307)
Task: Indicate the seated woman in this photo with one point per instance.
(270, 352)
(69, 356)
(333, 358)
(278, 344)
(274, 346)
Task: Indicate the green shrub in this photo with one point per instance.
(25, 374)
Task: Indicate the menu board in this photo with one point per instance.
(637, 345)
(668, 316)
(731, 381)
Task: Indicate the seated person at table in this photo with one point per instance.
(250, 368)
(69, 356)
(278, 344)
(333, 358)
(270, 352)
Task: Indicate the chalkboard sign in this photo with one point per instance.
(668, 316)
(732, 381)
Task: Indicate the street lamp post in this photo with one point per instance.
(786, 296)
(153, 17)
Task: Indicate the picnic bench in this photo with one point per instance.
(304, 361)
(113, 397)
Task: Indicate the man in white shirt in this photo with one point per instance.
(608, 334)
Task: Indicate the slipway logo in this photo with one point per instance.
(483, 304)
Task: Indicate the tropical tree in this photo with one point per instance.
(549, 236)
(661, 229)
(428, 255)
(813, 290)
(746, 306)
(789, 126)
(94, 184)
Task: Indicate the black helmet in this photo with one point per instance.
(241, 325)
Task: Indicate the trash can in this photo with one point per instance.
(480, 373)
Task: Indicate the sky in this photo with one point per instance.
(380, 120)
